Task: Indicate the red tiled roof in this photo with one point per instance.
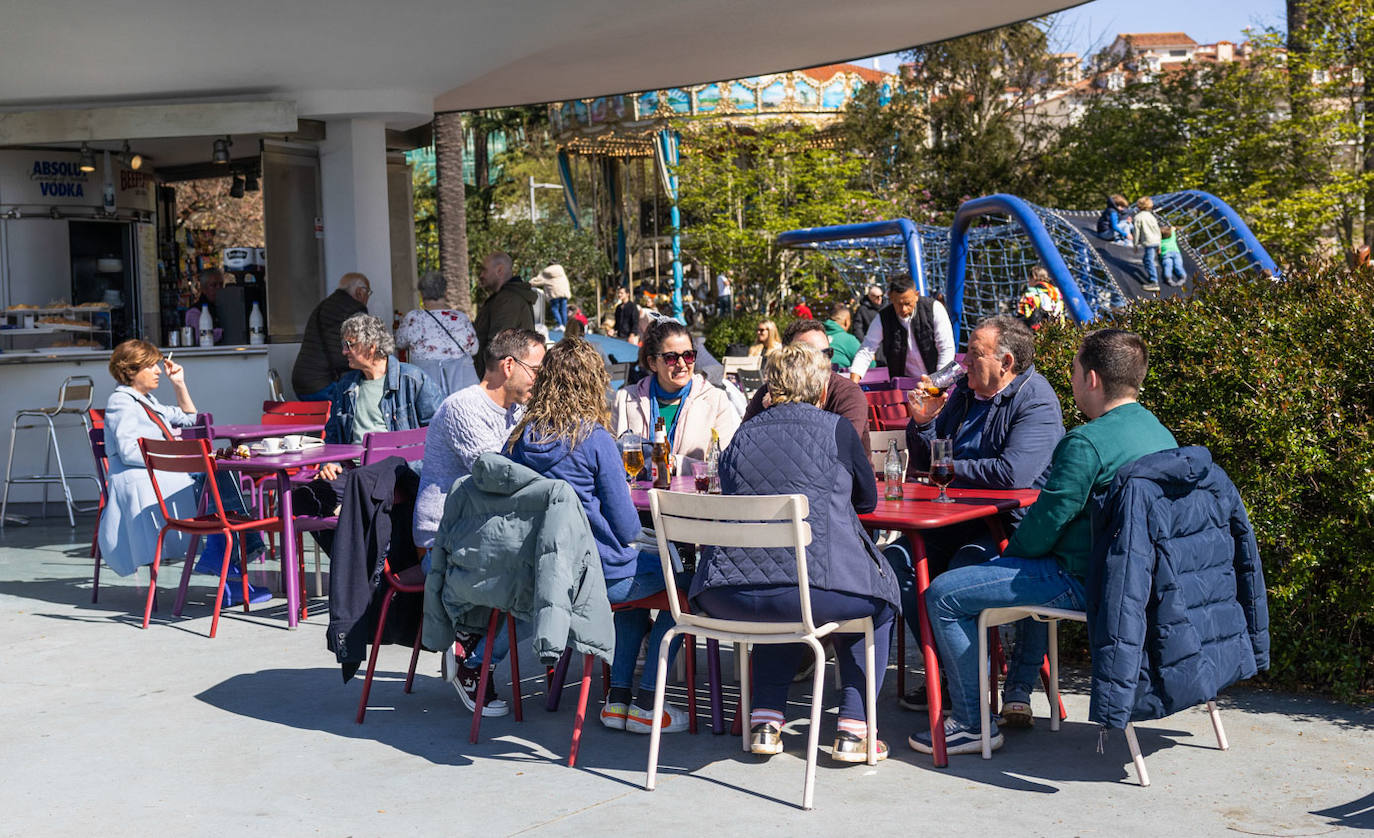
(826, 72)
(1145, 40)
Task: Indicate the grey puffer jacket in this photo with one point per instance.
(515, 540)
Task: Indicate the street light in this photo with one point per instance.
(534, 186)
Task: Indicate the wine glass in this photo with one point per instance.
(942, 466)
(632, 454)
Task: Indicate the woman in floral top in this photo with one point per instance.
(441, 341)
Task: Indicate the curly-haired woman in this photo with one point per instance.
(563, 435)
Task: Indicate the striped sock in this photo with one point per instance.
(758, 717)
(858, 727)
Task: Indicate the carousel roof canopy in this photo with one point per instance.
(405, 59)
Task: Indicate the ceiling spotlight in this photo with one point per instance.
(221, 155)
(87, 159)
(133, 161)
(250, 182)
(236, 190)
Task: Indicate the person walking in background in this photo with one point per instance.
(802, 310)
(844, 345)
(553, 281)
(1145, 236)
(626, 316)
(1112, 224)
(441, 341)
(318, 363)
(766, 339)
(867, 312)
(1171, 257)
(509, 303)
(725, 290)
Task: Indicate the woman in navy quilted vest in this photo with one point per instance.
(794, 447)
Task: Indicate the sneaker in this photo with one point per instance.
(1016, 714)
(918, 701)
(958, 739)
(640, 720)
(1150, 287)
(210, 565)
(613, 716)
(465, 680)
(233, 595)
(851, 748)
(765, 738)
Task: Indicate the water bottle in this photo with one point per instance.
(713, 463)
(206, 327)
(892, 472)
(255, 326)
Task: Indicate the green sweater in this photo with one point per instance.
(1085, 462)
(844, 344)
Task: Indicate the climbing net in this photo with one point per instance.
(1212, 234)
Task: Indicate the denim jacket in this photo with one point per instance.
(409, 399)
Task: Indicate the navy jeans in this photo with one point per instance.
(1150, 261)
(632, 624)
(558, 306)
(776, 664)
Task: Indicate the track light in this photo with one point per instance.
(236, 190)
(221, 154)
(250, 182)
(87, 159)
(133, 161)
(55, 213)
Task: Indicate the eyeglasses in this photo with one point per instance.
(348, 345)
(828, 352)
(671, 358)
(532, 370)
(366, 291)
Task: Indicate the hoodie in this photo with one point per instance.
(511, 307)
(594, 469)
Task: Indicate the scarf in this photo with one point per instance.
(656, 393)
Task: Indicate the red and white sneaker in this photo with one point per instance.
(613, 716)
(642, 721)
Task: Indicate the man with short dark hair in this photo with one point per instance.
(1046, 562)
(846, 346)
(319, 365)
(842, 396)
(913, 331)
(509, 304)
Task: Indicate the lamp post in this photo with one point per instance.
(534, 186)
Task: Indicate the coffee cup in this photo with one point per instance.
(188, 336)
(272, 444)
(292, 442)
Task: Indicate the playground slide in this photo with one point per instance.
(1125, 262)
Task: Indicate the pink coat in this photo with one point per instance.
(707, 407)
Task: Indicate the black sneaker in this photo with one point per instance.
(918, 701)
(465, 681)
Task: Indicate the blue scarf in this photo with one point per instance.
(657, 393)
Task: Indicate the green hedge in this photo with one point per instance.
(739, 328)
(1276, 379)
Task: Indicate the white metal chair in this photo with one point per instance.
(73, 399)
(735, 363)
(991, 617)
(877, 448)
(777, 521)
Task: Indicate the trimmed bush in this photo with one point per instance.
(1276, 379)
(724, 331)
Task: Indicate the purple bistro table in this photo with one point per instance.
(281, 464)
(239, 434)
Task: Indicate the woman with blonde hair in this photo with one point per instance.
(768, 339)
(563, 436)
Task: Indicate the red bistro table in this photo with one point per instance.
(282, 464)
(239, 434)
(918, 511)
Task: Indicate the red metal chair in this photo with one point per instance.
(102, 465)
(409, 581)
(295, 413)
(886, 410)
(190, 457)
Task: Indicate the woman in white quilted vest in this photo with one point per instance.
(690, 406)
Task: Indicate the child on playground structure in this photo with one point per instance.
(1112, 224)
(1171, 257)
(1146, 237)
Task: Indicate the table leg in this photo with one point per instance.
(289, 559)
(932, 660)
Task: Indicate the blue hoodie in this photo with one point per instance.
(594, 469)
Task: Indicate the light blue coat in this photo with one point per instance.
(131, 520)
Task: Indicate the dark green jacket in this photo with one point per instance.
(511, 307)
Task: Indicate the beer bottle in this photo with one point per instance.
(662, 459)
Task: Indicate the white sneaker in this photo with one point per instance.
(640, 720)
(465, 682)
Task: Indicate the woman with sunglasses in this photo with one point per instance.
(768, 339)
(690, 406)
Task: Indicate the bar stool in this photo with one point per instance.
(73, 399)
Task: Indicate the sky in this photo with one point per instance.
(1092, 26)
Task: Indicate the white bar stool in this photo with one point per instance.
(73, 399)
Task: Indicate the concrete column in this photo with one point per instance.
(357, 229)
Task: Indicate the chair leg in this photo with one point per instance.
(1136, 757)
(1045, 679)
(901, 655)
(515, 685)
(300, 576)
(372, 656)
(995, 666)
(1220, 731)
(485, 677)
(690, 647)
(95, 554)
(717, 690)
(588, 662)
(152, 583)
(556, 679)
(62, 475)
(1052, 627)
(414, 657)
(813, 736)
(243, 567)
(223, 578)
(660, 687)
(984, 688)
(742, 719)
(870, 693)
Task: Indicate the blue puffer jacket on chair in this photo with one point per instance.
(1177, 608)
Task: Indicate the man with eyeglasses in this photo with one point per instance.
(319, 366)
(842, 396)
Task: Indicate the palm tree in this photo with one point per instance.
(452, 201)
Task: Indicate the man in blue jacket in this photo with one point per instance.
(1005, 420)
(1046, 562)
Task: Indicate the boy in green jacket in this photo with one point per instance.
(1046, 562)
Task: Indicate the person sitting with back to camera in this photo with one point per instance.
(441, 340)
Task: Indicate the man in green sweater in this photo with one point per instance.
(841, 341)
(1046, 562)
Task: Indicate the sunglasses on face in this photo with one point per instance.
(671, 358)
(828, 352)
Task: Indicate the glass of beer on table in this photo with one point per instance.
(632, 453)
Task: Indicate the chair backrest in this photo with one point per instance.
(202, 427)
(97, 415)
(102, 463)
(878, 442)
(295, 413)
(76, 393)
(905, 382)
(888, 417)
(750, 380)
(184, 456)
(735, 363)
(274, 391)
(777, 521)
(880, 397)
(378, 445)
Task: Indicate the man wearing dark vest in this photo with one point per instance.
(913, 332)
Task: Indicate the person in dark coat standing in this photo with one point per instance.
(509, 305)
(320, 364)
(626, 316)
(842, 396)
(865, 313)
(848, 578)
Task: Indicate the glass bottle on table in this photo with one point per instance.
(892, 473)
(713, 463)
(942, 467)
(662, 466)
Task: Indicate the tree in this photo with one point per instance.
(452, 209)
